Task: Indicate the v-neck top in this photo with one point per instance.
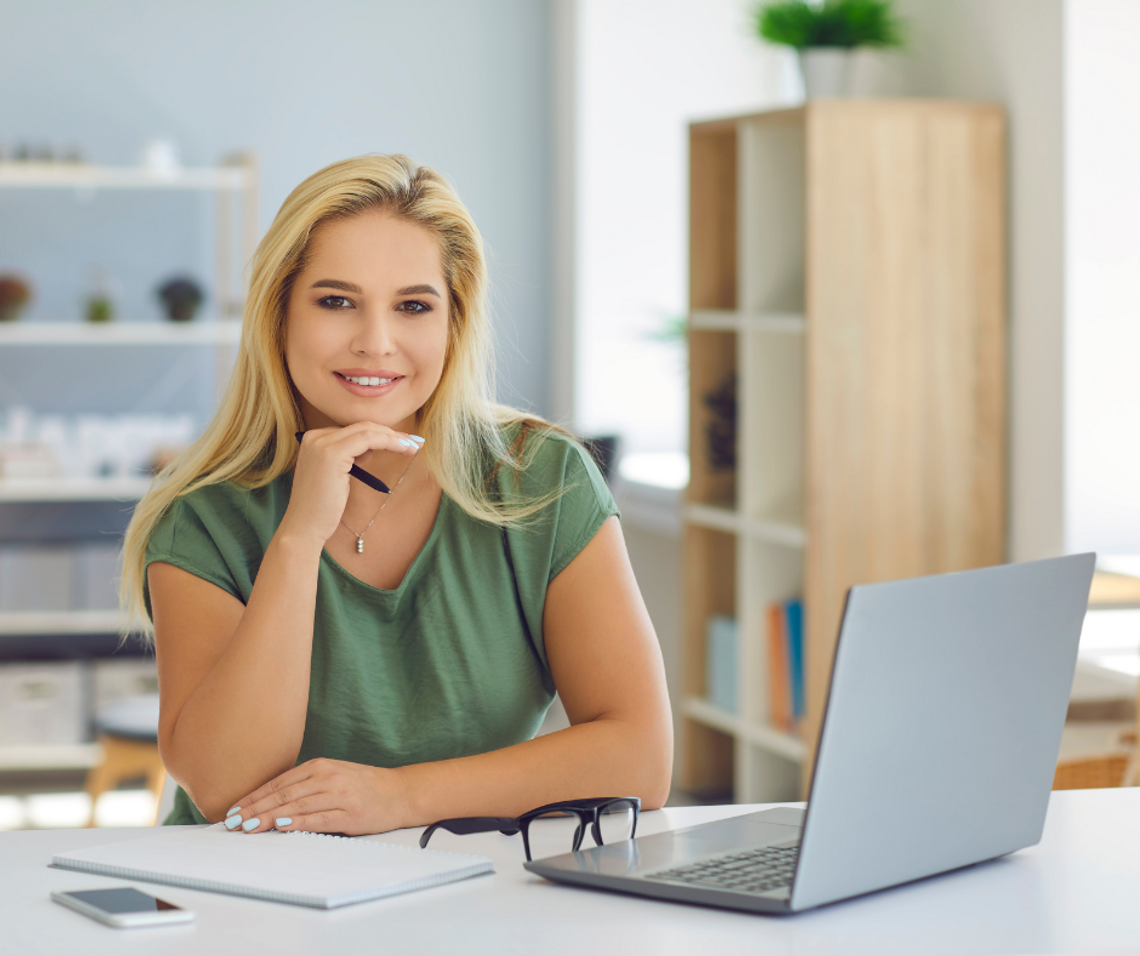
(448, 664)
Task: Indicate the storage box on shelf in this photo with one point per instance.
(847, 283)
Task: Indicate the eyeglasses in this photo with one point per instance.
(611, 820)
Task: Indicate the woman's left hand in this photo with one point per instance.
(325, 796)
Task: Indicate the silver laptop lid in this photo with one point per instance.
(943, 723)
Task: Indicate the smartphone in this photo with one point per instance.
(124, 906)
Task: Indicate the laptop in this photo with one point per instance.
(937, 750)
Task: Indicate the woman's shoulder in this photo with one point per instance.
(547, 463)
(233, 497)
(226, 509)
(545, 453)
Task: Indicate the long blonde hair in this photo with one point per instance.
(251, 438)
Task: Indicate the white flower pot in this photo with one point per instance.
(826, 71)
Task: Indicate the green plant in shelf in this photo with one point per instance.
(100, 309)
(833, 23)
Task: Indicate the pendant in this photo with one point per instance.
(360, 546)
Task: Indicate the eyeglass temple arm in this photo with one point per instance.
(464, 825)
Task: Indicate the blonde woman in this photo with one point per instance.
(333, 658)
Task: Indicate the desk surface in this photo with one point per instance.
(1077, 891)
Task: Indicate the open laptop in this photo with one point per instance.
(937, 750)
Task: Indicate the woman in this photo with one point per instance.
(332, 658)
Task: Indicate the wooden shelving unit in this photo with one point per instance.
(847, 279)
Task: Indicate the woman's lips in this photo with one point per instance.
(367, 391)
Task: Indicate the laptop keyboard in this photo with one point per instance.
(751, 871)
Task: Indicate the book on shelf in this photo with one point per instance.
(720, 662)
(786, 698)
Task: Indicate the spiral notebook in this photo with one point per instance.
(305, 869)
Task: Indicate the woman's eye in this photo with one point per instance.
(334, 302)
(415, 307)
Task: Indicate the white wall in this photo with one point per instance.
(1102, 276)
(644, 70)
(1011, 52)
(461, 86)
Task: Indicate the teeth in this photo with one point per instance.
(369, 380)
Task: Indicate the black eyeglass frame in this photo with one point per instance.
(589, 812)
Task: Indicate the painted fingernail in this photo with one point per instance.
(407, 444)
(416, 438)
(232, 810)
(232, 823)
(251, 824)
(283, 821)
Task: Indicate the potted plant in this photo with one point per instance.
(15, 293)
(824, 34)
(180, 297)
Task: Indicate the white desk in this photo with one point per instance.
(1077, 891)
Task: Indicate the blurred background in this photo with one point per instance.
(144, 149)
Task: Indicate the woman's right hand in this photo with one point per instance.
(321, 476)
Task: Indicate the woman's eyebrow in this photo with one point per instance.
(351, 287)
(336, 284)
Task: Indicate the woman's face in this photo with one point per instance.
(366, 325)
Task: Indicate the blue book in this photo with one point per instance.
(794, 618)
(720, 663)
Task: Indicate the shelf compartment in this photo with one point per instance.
(771, 424)
(713, 216)
(767, 738)
(710, 584)
(713, 417)
(772, 192)
(767, 574)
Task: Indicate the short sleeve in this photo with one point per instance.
(183, 538)
(559, 470)
(585, 504)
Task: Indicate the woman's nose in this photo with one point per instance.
(374, 335)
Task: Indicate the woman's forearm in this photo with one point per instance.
(607, 757)
(244, 722)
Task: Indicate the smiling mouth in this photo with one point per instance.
(369, 379)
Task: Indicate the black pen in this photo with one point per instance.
(357, 472)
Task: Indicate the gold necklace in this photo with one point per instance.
(360, 535)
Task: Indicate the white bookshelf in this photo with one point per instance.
(49, 757)
(234, 186)
(72, 489)
(60, 623)
(118, 333)
(40, 175)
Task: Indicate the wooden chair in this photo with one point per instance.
(1115, 769)
(127, 733)
(1119, 765)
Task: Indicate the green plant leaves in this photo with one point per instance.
(835, 23)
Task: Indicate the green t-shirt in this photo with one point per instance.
(450, 663)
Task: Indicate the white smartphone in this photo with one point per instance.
(124, 906)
